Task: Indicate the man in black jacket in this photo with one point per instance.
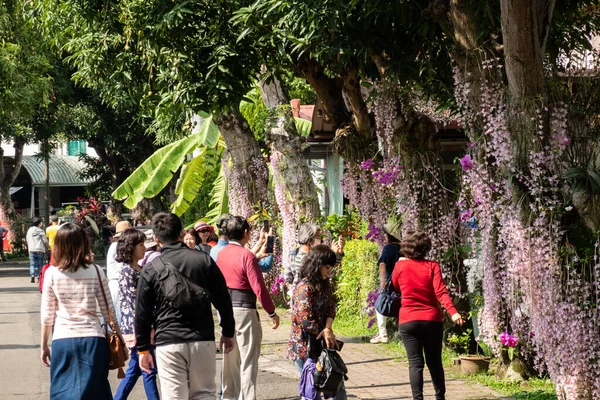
(185, 340)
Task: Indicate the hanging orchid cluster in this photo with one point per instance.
(384, 187)
(525, 287)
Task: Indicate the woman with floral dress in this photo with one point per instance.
(130, 250)
(313, 308)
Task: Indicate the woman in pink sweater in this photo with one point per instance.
(420, 321)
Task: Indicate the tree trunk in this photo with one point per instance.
(248, 177)
(7, 208)
(525, 26)
(292, 167)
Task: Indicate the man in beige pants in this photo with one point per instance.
(184, 333)
(246, 284)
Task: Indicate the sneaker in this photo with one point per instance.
(33, 279)
(379, 338)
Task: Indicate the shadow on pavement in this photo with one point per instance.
(18, 346)
(371, 361)
(33, 288)
(14, 272)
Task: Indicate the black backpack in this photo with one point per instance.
(330, 372)
(179, 290)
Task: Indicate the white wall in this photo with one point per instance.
(33, 149)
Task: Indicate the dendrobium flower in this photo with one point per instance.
(466, 163)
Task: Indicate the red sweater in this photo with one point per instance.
(422, 288)
(241, 271)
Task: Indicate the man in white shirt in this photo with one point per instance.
(37, 244)
(113, 267)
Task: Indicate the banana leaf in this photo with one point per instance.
(191, 178)
(156, 172)
(219, 201)
(303, 126)
(208, 133)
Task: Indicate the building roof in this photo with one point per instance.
(63, 171)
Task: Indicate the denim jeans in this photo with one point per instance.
(131, 376)
(79, 369)
(340, 395)
(36, 262)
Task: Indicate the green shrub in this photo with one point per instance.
(357, 275)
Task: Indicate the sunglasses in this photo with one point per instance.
(204, 231)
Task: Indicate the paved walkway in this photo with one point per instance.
(373, 374)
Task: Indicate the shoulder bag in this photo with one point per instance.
(117, 351)
(388, 302)
(330, 371)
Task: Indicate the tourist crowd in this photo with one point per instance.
(162, 283)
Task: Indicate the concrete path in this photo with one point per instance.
(372, 373)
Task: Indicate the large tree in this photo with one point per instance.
(25, 87)
(185, 59)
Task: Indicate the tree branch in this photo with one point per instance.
(19, 144)
(360, 114)
(329, 91)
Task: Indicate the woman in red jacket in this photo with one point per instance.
(420, 320)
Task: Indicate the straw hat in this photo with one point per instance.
(121, 226)
(393, 229)
(201, 225)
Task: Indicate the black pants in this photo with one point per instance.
(424, 337)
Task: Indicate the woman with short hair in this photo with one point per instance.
(70, 298)
(130, 250)
(193, 241)
(420, 319)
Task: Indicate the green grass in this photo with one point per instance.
(353, 326)
(532, 389)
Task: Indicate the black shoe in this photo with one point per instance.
(33, 279)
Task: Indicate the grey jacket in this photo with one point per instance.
(36, 240)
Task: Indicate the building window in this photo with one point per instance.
(77, 147)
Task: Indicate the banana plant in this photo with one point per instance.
(150, 178)
(219, 201)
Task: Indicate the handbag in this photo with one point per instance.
(117, 350)
(330, 372)
(388, 302)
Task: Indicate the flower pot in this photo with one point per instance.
(473, 364)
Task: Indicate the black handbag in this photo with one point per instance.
(330, 372)
(388, 302)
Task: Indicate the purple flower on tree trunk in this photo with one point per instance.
(367, 164)
(466, 163)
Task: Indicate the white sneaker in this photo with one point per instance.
(379, 338)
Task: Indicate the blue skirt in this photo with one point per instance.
(79, 369)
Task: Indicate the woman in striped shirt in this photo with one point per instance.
(70, 300)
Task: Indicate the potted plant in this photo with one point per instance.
(472, 364)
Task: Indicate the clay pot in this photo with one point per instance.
(473, 364)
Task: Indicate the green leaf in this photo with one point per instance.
(574, 173)
(594, 181)
(208, 133)
(155, 173)
(219, 200)
(303, 126)
(511, 353)
(191, 179)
